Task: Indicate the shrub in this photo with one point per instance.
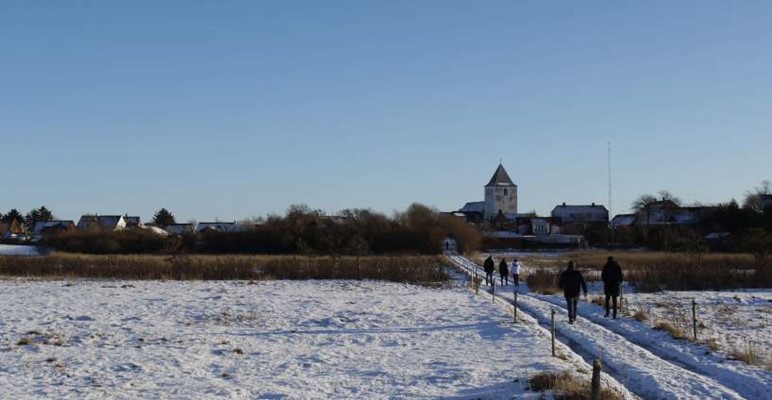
(543, 280)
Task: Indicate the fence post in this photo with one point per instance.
(553, 331)
(514, 308)
(596, 366)
(694, 318)
(493, 290)
(621, 298)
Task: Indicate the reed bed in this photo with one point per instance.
(409, 269)
(654, 271)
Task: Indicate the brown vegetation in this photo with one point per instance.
(654, 271)
(414, 269)
(568, 387)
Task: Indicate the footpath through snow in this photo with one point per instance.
(651, 371)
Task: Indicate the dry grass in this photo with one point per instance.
(654, 271)
(543, 280)
(641, 316)
(750, 354)
(567, 387)
(668, 327)
(412, 269)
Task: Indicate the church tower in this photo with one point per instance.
(500, 194)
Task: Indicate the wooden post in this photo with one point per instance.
(621, 298)
(553, 332)
(514, 308)
(694, 318)
(596, 366)
(493, 290)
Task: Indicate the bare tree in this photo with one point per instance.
(664, 195)
(642, 203)
(752, 199)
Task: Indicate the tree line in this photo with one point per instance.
(302, 230)
(27, 221)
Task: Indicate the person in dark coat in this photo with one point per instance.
(504, 271)
(488, 267)
(571, 281)
(612, 282)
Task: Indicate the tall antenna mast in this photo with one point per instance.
(610, 213)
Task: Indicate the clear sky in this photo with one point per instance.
(236, 109)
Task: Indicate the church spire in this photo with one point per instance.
(500, 177)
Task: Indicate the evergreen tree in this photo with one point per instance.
(163, 217)
(36, 215)
(13, 215)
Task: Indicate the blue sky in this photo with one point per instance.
(237, 109)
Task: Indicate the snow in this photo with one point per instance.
(651, 363)
(359, 339)
(277, 339)
(18, 250)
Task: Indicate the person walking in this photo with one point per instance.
(571, 281)
(504, 271)
(488, 267)
(516, 272)
(612, 283)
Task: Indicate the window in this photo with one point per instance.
(505, 192)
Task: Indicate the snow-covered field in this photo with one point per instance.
(347, 339)
(275, 340)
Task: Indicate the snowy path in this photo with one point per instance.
(751, 383)
(642, 371)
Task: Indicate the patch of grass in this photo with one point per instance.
(238, 351)
(24, 342)
(712, 344)
(567, 387)
(749, 354)
(641, 315)
(668, 327)
(543, 280)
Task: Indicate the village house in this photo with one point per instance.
(13, 230)
(765, 201)
(579, 219)
(46, 229)
(180, 229)
(101, 223)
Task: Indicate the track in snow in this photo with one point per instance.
(641, 371)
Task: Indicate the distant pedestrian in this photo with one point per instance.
(571, 281)
(488, 267)
(504, 272)
(612, 283)
(516, 272)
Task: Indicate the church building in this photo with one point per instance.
(500, 197)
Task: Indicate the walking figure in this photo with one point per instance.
(488, 267)
(516, 272)
(571, 281)
(612, 282)
(504, 271)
